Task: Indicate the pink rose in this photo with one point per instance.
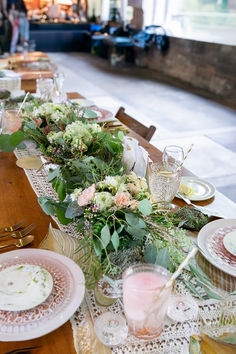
(86, 196)
(122, 199)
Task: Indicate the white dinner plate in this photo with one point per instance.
(210, 241)
(65, 298)
(203, 190)
(24, 286)
(229, 242)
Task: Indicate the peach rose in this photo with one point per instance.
(87, 195)
(132, 187)
(133, 204)
(122, 199)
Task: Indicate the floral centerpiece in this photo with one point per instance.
(118, 222)
(84, 151)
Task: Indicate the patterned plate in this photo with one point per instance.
(67, 295)
(210, 241)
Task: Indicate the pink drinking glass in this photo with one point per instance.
(144, 309)
(12, 120)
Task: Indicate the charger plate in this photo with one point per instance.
(210, 242)
(66, 296)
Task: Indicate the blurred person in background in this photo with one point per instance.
(5, 28)
(53, 10)
(20, 25)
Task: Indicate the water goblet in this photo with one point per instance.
(173, 154)
(44, 88)
(164, 181)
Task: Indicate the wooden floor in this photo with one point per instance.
(181, 117)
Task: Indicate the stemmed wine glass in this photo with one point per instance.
(173, 154)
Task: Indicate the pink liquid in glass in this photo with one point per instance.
(144, 312)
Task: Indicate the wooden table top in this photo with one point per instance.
(19, 202)
(28, 78)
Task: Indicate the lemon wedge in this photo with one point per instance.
(186, 190)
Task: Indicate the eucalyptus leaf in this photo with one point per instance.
(135, 221)
(60, 212)
(120, 135)
(47, 204)
(97, 247)
(136, 232)
(61, 189)
(105, 236)
(163, 258)
(53, 174)
(150, 254)
(90, 114)
(73, 210)
(115, 240)
(145, 207)
(16, 138)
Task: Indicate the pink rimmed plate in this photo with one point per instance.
(211, 244)
(66, 296)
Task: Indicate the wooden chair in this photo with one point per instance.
(134, 125)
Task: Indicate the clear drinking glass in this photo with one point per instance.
(11, 121)
(164, 181)
(59, 95)
(144, 309)
(44, 88)
(173, 154)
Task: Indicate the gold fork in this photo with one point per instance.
(20, 234)
(13, 227)
(24, 241)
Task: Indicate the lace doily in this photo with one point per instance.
(175, 336)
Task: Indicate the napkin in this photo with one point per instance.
(135, 157)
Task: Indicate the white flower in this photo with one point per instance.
(52, 136)
(74, 196)
(103, 200)
(95, 127)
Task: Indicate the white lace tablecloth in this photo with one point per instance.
(175, 336)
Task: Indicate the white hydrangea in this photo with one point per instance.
(77, 132)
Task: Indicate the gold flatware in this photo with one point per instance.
(24, 241)
(12, 228)
(20, 234)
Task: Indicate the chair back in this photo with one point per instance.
(134, 125)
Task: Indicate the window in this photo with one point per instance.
(206, 20)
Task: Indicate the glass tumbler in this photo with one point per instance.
(11, 121)
(164, 181)
(44, 88)
(144, 309)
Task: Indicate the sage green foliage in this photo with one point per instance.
(191, 219)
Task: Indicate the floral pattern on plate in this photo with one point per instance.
(217, 249)
(61, 294)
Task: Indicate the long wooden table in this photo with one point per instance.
(28, 77)
(18, 202)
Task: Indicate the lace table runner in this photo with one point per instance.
(175, 336)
